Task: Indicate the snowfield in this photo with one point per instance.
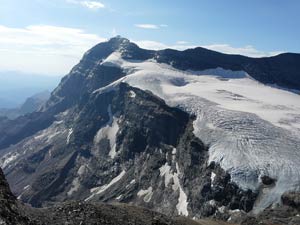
(251, 129)
(109, 131)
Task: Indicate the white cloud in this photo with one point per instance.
(147, 26)
(154, 45)
(150, 26)
(224, 48)
(246, 50)
(181, 42)
(43, 49)
(92, 4)
(55, 50)
(88, 4)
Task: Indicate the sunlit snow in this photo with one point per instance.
(69, 135)
(165, 171)
(132, 94)
(109, 131)
(146, 194)
(182, 198)
(212, 178)
(8, 158)
(252, 129)
(76, 182)
(99, 190)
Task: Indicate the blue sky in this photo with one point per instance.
(50, 36)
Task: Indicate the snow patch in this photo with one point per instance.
(174, 154)
(222, 209)
(165, 171)
(212, 178)
(212, 203)
(50, 133)
(174, 151)
(74, 186)
(58, 122)
(99, 190)
(82, 170)
(131, 183)
(146, 193)
(132, 94)
(119, 197)
(26, 187)
(109, 131)
(8, 159)
(76, 182)
(182, 199)
(69, 135)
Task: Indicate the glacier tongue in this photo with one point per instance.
(252, 129)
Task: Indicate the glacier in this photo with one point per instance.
(252, 129)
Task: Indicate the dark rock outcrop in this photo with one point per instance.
(291, 199)
(287, 213)
(10, 209)
(13, 212)
(266, 180)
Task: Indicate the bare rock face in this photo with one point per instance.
(291, 199)
(280, 215)
(266, 180)
(10, 212)
(287, 213)
(13, 212)
(5, 193)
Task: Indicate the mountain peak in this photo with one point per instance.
(118, 43)
(103, 49)
(118, 39)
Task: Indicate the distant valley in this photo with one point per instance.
(16, 87)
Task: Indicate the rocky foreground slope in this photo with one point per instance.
(148, 128)
(13, 212)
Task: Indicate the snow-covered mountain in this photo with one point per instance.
(196, 133)
(247, 125)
